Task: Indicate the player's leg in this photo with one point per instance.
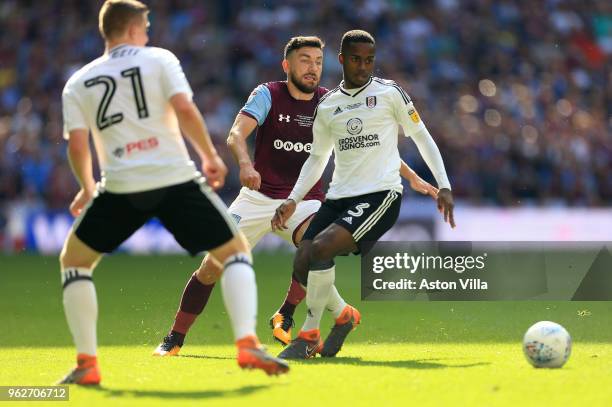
(199, 287)
(332, 241)
(193, 300)
(240, 297)
(368, 218)
(296, 292)
(77, 262)
(336, 304)
(282, 321)
(198, 219)
(104, 224)
(318, 281)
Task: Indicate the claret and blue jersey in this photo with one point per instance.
(284, 137)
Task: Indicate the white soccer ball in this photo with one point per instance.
(547, 344)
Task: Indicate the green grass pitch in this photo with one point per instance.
(408, 353)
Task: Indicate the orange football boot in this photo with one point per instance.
(281, 327)
(251, 355)
(170, 346)
(305, 346)
(345, 324)
(85, 373)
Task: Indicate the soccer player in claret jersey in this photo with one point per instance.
(133, 99)
(282, 114)
(358, 120)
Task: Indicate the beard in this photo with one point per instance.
(302, 86)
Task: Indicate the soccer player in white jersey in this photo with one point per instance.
(358, 121)
(135, 100)
(280, 113)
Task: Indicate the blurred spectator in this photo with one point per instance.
(518, 94)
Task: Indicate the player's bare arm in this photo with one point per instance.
(417, 183)
(236, 141)
(193, 126)
(79, 156)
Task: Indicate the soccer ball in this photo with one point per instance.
(547, 344)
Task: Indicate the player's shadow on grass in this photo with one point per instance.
(169, 394)
(207, 357)
(404, 364)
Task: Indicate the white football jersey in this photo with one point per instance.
(361, 127)
(123, 98)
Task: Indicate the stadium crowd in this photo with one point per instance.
(517, 94)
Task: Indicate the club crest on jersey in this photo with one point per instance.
(371, 102)
(285, 118)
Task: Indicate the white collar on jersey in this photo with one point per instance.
(355, 91)
(116, 47)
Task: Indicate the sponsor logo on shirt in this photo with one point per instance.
(284, 118)
(354, 126)
(361, 141)
(337, 111)
(303, 121)
(414, 115)
(136, 147)
(353, 106)
(291, 146)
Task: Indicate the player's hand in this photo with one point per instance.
(282, 215)
(249, 177)
(446, 205)
(215, 170)
(81, 199)
(420, 185)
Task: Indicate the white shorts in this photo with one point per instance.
(253, 212)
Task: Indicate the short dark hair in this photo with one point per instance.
(116, 15)
(303, 41)
(353, 36)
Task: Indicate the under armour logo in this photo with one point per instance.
(285, 118)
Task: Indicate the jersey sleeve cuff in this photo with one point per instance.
(68, 129)
(248, 114)
(176, 91)
(295, 197)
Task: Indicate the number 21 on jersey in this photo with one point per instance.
(102, 119)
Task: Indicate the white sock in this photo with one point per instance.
(335, 303)
(317, 295)
(81, 307)
(240, 294)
